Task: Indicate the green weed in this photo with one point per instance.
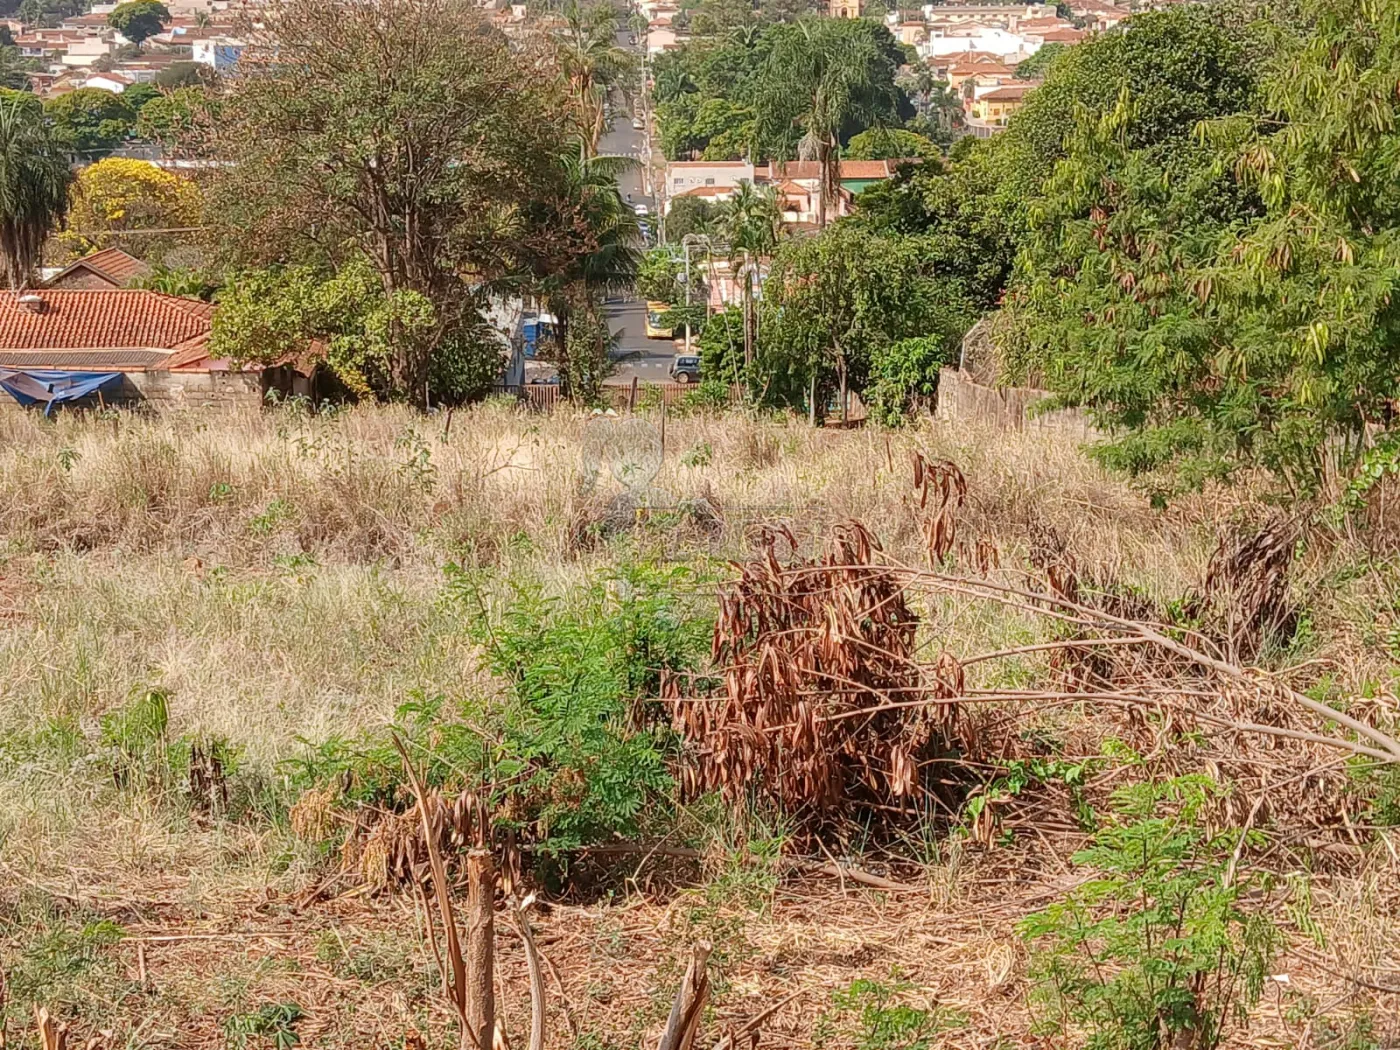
(870, 1015)
(1160, 947)
(272, 1024)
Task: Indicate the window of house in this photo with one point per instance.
(709, 182)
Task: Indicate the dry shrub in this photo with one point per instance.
(821, 702)
(1246, 595)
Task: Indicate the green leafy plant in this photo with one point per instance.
(871, 1015)
(136, 738)
(1161, 948)
(571, 754)
(274, 1022)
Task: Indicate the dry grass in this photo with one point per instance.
(279, 576)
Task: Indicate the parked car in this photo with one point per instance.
(641, 209)
(638, 124)
(686, 369)
(654, 327)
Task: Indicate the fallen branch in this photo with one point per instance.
(532, 965)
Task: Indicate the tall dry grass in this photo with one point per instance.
(279, 576)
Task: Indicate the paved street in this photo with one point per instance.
(635, 355)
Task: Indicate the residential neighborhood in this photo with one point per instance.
(699, 525)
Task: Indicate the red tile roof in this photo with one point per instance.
(850, 169)
(112, 263)
(115, 319)
(1007, 93)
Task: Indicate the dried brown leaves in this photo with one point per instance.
(822, 698)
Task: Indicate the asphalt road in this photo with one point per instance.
(635, 355)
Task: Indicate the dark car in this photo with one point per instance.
(686, 369)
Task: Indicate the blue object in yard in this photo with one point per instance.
(533, 329)
(30, 387)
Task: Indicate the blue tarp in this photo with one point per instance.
(30, 387)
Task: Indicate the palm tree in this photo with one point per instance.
(841, 77)
(598, 253)
(592, 64)
(751, 222)
(34, 180)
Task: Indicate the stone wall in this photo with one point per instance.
(1007, 408)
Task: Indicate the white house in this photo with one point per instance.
(116, 83)
(220, 53)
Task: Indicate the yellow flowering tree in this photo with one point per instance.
(120, 203)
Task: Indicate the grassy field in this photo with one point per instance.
(279, 580)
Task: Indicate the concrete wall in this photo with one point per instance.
(960, 400)
(162, 390)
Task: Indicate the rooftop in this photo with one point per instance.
(108, 320)
(112, 263)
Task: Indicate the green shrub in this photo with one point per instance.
(1160, 948)
(902, 375)
(869, 1015)
(571, 754)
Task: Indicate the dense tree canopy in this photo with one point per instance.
(1231, 302)
(756, 90)
(402, 138)
(835, 303)
(139, 20)
(91, 122)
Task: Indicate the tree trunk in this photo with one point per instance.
(480, 949)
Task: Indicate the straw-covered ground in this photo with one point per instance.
(250, 587)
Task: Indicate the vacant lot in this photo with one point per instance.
(209, 622)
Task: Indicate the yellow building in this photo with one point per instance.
(845, 8)
(994, 108)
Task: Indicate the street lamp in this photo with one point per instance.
(686, 242)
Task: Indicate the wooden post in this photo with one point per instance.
(632, 396)
(845, 417)
(480, 953)
(812, 400)
(663, 422)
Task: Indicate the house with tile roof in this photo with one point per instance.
(108, 268)
(154, 347)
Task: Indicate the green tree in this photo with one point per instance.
(750, 224)
(179, 75)
(826, 79)
(34, 179)
(688, 215)
(138, 95)
(265, 315)
(889, 144)
(903, 375)
(170, 116)
(1035, 67)
(659, 277)
(833, 302)
(591, 248)
(90, 122)
(139, 20)
(15, 68)
(401, 136)
(1232, 304)
(591, 63)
